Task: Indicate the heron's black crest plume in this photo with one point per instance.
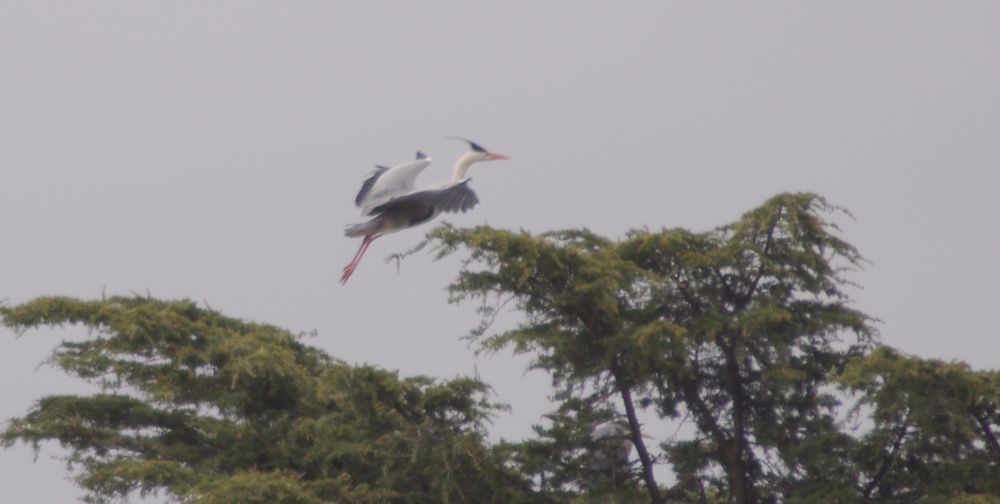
(472, 145)
(421, 155)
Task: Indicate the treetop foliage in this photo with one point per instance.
(934, 426)
(743, 340)
(213, 409)
(739, 330)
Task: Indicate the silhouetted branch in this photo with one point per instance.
(988, 431)
(887, 462)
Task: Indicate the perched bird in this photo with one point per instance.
(612, 446)
(390, 196)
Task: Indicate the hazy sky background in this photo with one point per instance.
(212, 150)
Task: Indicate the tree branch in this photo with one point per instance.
(728, 450)
(739, 470)
(887, 462)
(764, 253)
(702, 413)
(730, 293)
(686, 294)
(636, 434)
(987, 431)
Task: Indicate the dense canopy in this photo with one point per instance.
(744, 339)
(211, 409)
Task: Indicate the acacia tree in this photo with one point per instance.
(210, 409)
(738, 329)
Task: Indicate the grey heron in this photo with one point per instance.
(612, 445)
(391, 197)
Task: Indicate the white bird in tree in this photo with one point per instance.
(612, 446)
(391, 197)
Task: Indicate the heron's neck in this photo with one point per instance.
(462, 166)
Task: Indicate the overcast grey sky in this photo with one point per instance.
(212, 150)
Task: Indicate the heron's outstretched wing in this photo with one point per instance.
(369, 182)
(387, 184)
(455, 197)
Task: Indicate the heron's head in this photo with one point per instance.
(478, 153)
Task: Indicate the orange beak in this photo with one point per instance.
(494, 155)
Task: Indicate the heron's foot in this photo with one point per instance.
(348, 270)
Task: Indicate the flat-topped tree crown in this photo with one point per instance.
(738, 328)
(213, 409)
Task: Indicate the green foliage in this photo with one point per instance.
(745, 333)
(740, 329)
(934, 435)
(211, 409)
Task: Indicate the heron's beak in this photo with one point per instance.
(647, 436)
(494, 155)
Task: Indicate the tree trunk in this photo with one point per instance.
(640, 447)
(740, 477)
(887, 461)
(991, 438)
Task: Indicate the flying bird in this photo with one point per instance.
(390, 196)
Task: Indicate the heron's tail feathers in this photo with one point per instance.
(362, 229)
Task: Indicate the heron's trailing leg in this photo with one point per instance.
(349, 269)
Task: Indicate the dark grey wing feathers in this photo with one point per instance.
(460, 199)
(456, 197)
(369, 183)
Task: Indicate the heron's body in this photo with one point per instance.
(613, 446)
(414, 208)
(391, 197)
